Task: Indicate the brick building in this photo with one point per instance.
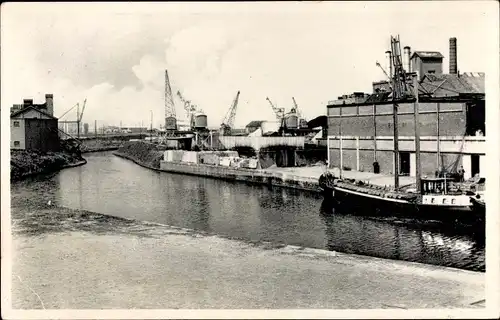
(33, 126)
(452, 107)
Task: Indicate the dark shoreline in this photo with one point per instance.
(25, 164)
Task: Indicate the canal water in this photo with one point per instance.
(114, 186)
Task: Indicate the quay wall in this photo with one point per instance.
(25, 163)
(151, 156)
(254, 176)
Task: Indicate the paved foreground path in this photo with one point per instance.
(78, 260)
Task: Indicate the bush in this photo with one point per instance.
(24, 163)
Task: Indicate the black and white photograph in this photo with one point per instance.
(333, 159)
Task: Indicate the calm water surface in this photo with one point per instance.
(114, 186)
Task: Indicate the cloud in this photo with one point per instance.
(116, 57)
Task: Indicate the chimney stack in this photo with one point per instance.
(27, 102)
(49, 103)
(453, 56)
(407, 53)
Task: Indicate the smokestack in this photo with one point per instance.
(388, 55)
(49, 103)
(453, 56)
(407, 52)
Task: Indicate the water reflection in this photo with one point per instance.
(114, 186)
(411, 241)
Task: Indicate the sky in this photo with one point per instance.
(115, 55)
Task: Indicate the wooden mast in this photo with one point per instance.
(395, 94)
(417, 135)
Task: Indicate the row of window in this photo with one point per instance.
(28, 124)
(388, 109)
(453, 200)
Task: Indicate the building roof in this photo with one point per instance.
(427, 55)
(321, 121)
(453, 84)
(255, 123)
(378, 97)
(19, 112)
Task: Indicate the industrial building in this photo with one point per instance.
(33, 126)
(71, 127)
(451, 122)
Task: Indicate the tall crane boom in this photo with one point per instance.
(83, 109)
(385, 72)
(169, 101)
(297, 111)
(302, 121)
(170, 116)
(399, 80)
(190, 108)
(278, 111)
(231, 114)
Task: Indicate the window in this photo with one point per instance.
(17, 143)
(453, 201)
(16, 124)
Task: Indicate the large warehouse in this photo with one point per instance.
(452, 107)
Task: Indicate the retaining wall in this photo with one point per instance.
(242, 174)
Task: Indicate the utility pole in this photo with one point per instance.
(95, 128)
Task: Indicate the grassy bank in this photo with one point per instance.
(143, 153)
(25, 163)
(97, 145)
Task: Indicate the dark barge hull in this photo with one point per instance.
(479, 207)
(372, 205)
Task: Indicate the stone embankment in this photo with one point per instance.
(24, 163)
(151, 156)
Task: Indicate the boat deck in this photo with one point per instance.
(381, 180)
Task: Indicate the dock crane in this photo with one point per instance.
(189, 108)
(79, 115)
(280, 115)
(228, 121)
(302, 120)
(280, 112)
(385, 72)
